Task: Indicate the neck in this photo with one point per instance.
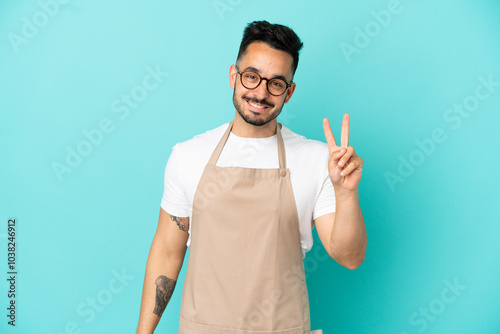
(246, 130)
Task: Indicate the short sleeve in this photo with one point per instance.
(326, 200)
(174, 199)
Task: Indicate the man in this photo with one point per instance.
(248, 218)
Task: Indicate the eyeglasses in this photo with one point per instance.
(252, 80)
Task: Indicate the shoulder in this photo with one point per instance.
(202, 141)
(302, 145)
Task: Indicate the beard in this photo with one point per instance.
(253, 118)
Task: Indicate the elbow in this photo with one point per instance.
(353, 264)
(350, 258)
(349, 262)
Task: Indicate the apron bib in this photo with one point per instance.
(245, 270)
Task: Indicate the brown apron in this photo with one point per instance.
(245, 271)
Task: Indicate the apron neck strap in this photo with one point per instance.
(222, 142)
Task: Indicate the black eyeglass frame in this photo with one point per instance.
(260, 80)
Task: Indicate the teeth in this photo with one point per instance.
(256, 105)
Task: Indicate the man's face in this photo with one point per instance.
(257, 106)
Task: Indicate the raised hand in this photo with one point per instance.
(344, 166)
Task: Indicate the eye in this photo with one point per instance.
(251, 76)
(277, 84)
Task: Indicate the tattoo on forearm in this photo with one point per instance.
(181, 222)
(164, 289)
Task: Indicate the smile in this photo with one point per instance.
(256, 106)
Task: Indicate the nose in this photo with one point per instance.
(261, 90)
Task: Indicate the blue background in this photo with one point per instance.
(433, 227)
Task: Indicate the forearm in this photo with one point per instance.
(159, 283)
(348, 238)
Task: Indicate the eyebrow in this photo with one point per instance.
(253, 69)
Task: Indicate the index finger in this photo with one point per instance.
(330, 139)
(344, 134)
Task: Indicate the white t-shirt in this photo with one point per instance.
(306, 159)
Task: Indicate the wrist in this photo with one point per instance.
(342, 192)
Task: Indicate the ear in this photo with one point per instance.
(289, 92)
(232, 76)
